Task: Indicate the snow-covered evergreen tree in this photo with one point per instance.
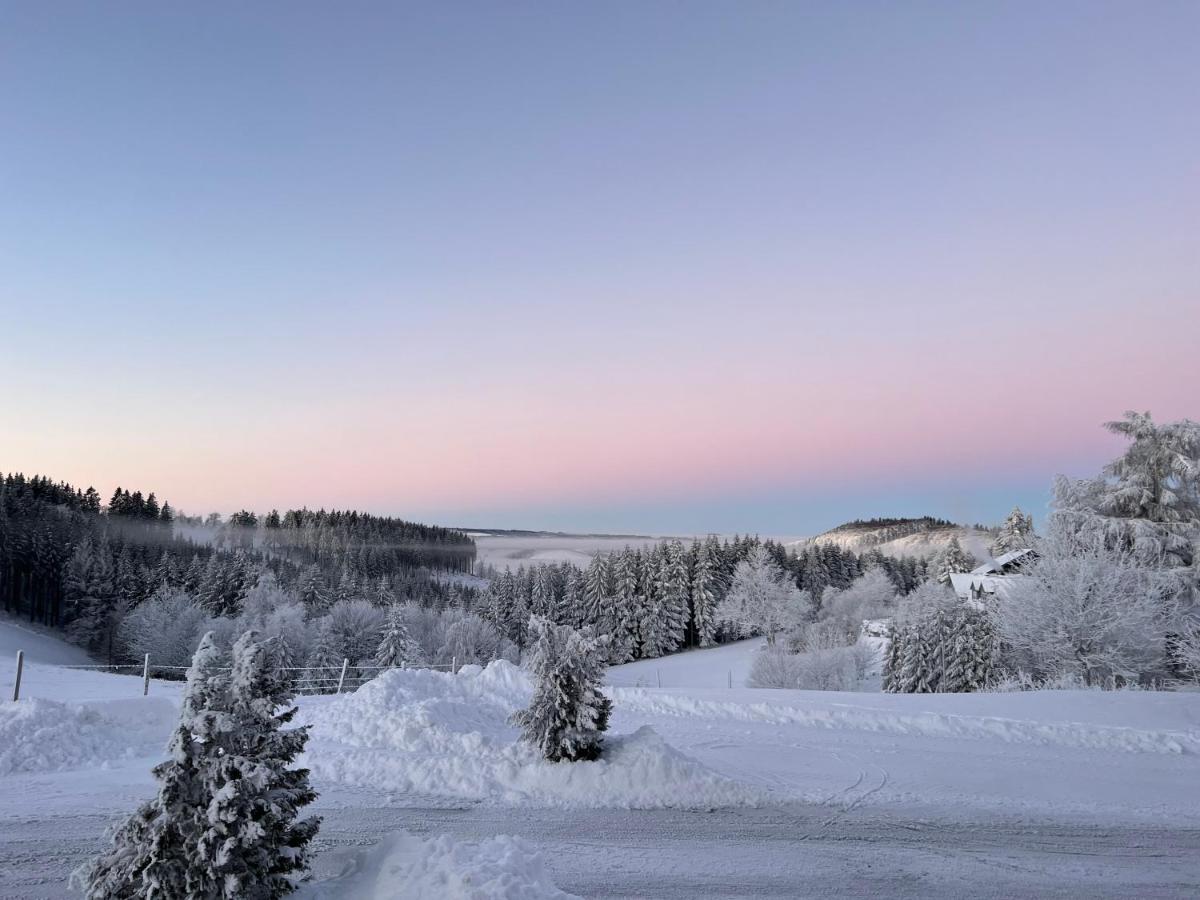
(397, 647)
(1016, 533)
(252, 841)
(568, 714)
(623, 640)
(154, 853)
(952, 560)
(704, 594)
(595, 590)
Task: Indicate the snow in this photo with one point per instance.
(40, 644)
(404, 867)
(46, 736)
(1041, 793)
(711, 667)
(435, 734)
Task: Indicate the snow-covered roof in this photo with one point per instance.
(997, 565)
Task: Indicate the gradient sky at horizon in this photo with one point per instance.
(638, 267)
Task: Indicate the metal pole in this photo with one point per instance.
(342, 677)
(731, 679)
(146, 676)
(20, 667)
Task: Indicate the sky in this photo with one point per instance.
(654, 267)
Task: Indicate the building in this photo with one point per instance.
(993, 577)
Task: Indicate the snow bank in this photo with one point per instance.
(405, 866)
(48, 736)
(432, 733)
(822, 713)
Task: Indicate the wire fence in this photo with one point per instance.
(306, 680)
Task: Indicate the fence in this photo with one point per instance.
(306, 679)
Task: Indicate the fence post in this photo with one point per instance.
(17, 684)
(342, 677)
(658, 676)
(146, 676)
(731, 679)
(453, 664)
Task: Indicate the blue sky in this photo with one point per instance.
(652, 266)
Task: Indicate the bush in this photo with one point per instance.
(833, 669)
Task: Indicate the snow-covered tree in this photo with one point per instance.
(168, 626)
(761, 597)
(568, 715)
(623, 639)
(872, 595)
(154, 853)
(1147, 501)
(1087, 609)
(397, 647)
(595, 590)
(704, 594)
(252, 841)
(471, 640)
(1016, 533)
(938, 644)
(950, 561)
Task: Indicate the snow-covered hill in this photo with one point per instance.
(904, 537)
(41, 645)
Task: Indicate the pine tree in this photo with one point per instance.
(154, 853)
(623, 639)
(673, 594)
(568, 713)
(252, 841)
(397, 647)
(595, 591)
(952, 560)
(1015, 534)
(704, 594)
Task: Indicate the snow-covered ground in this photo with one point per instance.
(708, 791)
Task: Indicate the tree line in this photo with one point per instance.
(68, 560)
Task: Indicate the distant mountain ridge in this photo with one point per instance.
(919, 537)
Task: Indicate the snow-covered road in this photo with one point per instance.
(813, 850)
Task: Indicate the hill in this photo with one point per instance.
(918, 537)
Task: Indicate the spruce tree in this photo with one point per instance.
(154, 853)
(397, 647)
(568, 713)
(252, 842)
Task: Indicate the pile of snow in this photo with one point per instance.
(405, 866)
(431, 733)
(48, 736)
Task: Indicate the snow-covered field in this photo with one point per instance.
(707, 790)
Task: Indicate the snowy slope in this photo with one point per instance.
(40, 644)
(924, 543)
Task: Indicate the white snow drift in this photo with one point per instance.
(48, 736)
(425, 732)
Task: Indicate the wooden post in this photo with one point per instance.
(453, 664)
(20, 667)
(658, 676)
(146, 676)
(342, 677)
(731, 679)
